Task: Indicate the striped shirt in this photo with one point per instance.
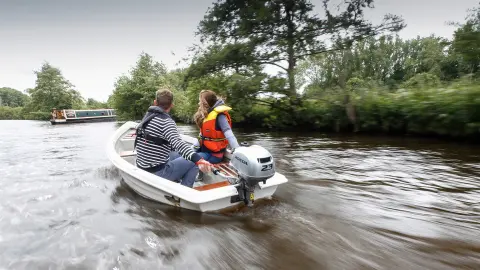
(150, 154)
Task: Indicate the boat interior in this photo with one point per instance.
(205, 182)
(57, 114)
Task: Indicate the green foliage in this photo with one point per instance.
(216, 58)
(94, 104)
(466, 43)
(422, 80)
(12, 98)
(182, 109)
(238, 90)
(352, 78)
(20, 113)
(11, 113)
(358, 86)
(386, 60)
(52, 90)
(451, 111)
(134, 93)
(43, 116)
(281, 33)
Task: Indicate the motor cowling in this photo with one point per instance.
(254, 164)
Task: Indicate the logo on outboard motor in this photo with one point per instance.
(241, 160)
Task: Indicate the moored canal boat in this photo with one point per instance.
(82, 116)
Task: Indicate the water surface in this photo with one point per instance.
(351, 203)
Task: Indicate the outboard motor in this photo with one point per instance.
(254, 164)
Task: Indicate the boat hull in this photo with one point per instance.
(158, 195)
(80, 120)
(165, 191)
(69, 116)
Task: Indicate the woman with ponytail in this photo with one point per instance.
(215, 124)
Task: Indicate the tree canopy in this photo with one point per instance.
(281, 33)
(52, 90)
(466, 42)
(135, 92)
(94, 104)
(12, 97)
(338, 71)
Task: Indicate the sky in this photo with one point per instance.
(93, 42)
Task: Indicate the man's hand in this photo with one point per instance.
(204, 165)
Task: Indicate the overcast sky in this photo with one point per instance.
(95, 41)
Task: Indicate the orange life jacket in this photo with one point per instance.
(212, 139)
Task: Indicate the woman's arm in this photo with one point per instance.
(225, 127)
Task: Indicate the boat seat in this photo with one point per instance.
(127, 153)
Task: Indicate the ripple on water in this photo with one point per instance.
(351, 203)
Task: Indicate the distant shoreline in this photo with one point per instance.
(245, 128)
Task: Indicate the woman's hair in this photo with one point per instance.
(207, 100)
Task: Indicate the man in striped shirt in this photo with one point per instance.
(159, 137)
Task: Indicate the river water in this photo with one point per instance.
(350, 203)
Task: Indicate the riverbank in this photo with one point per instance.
(19, 113)
(452, 112)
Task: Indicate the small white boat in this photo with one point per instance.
(243, 177)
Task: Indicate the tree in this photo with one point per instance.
(466, 41)
(94, 104)
(239, 90)
(283, 32)
(135, 92)
(52, 90)
(467, 44)
(12, 98)
(386, 60)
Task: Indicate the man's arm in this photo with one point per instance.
(171, 135)
(225, 127)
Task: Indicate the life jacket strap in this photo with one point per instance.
(143, 134)
(156, 140)
(203, 138)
